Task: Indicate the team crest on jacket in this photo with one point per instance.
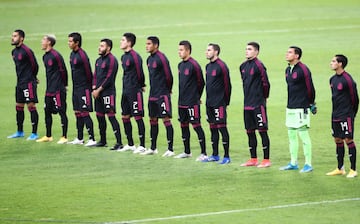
(340, 86)
(252, 71)
(187, 72)
(294, 75)
(127, 63)
(154, 65)
(50, 62)
(103, 65)
(213, 73)
(75, 61)
(19, 56)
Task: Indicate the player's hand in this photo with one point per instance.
(313, 108)
(95, 93)
(37, 81)
(143, 89)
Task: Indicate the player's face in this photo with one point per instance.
(72, 44)
(16, 39)
(150, 47)
(183, 52)
(210, 53)
(103, 49)
(124, 44)
(334, 64)
(290, 55)
(251, 52)
(45, 43)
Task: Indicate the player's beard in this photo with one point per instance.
(15, 43)
(102, 53)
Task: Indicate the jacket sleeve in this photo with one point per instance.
(309, 83)
(228, 86)
(34, 64)
(140, 71)
(356, 99)
(64, 73)
(264, 79)
(87, 66)
(199, 78)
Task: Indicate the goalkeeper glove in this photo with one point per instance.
(313, 108)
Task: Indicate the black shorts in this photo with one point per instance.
(256, 118)
(56, 103)
(216, 115)
(26, 94)
(160, 107)
(189, 114)
(343, 128)
(132, 104)
(82, 100)
(105, 103)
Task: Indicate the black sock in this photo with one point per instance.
(214, 139)
(34, 119)
(64, 123)
(154, 131)
(89, 125)
(340, 153)
(116, 128)
(225, 140)
(20, 116)
(201, 136)
(265, 143)
(141, 130)
(185, 134)
(352, 155)
(169, 134)
(252, 143)
(128, 130)
(48, 122)
(79, 126)
(102, 127)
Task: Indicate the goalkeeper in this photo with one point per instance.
(301, 101)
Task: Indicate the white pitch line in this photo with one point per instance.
(192, 24)
(228, 33)
(234, 211)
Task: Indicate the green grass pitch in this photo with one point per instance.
(50, 183)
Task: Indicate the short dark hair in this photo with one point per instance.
(52, 39)
(76, 37)
(131, 38)
(108, 42)
(20, 32)
(154, 40)
(186, 44)
(255, 45)
(342, 59)
(216, 47)
(297, 50)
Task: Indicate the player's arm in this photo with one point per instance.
(199, 78)
(356, 99)
(64, 73)
(34, 65)
(87, 66)
(169, 76)
(227, 84)
(310, 89)
(264, 79)
(139, 71)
